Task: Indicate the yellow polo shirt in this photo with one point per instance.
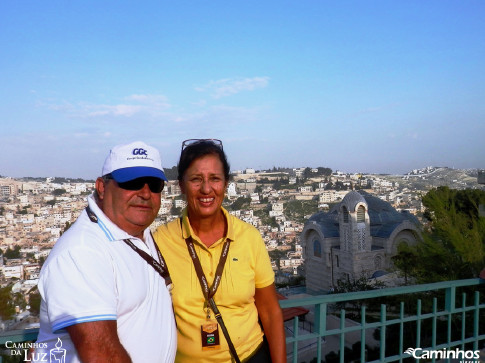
(247, 267)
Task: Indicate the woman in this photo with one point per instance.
(232, 253)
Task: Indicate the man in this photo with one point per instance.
(104, 287)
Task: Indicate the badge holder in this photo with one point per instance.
(209, 331)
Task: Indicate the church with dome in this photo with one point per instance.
(357, 237)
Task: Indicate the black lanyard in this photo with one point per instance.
(208, 292)
(160, 267)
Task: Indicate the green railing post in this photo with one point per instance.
(320, 326)
(383, 333)
(401, 329)
(433, 329)
(362, 334)
(342, 336)
(450, 302)
(463, 321)
(476, 317)
(418, 324)
(296, 333)
(450, 293)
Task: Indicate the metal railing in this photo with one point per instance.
(430, 317)
(377, 325)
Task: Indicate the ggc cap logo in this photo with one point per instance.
(139, 151)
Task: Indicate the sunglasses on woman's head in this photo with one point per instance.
(190, 142)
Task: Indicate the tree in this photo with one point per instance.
(240, 203)
(23, 211)
(175, 210)
(307, 173)
(405, 261)
(298, 209)
(340, 185)
(171, 173)
(41, 261)
(7, 309)
(363, 283)
(453, 244)
(281, 183)
(34, 302)
(265, 218)
(277, 255)
(57, 192)
(324, 171)
(12, 253)
(66, 227)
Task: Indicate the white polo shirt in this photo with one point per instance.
(92, 275)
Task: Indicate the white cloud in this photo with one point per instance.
(159, 101)
(116, 110)
(230, 86)
(200, 103)
(135, 104)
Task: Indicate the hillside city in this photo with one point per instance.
(34, 212)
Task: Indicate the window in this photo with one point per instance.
(317, 249)
(361, 237)
(346, 214)
(347, 244)
(360, 214)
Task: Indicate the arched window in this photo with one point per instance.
(317, 249)
(361, 214)
(346, 214)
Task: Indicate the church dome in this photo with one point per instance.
(351, 200)
(383, 218)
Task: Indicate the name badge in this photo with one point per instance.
(209, 331)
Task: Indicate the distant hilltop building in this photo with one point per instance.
(357, 236)
(481, 177)
(231, 190)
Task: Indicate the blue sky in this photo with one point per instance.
(358, 86)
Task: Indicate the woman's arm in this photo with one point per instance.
(272, 318)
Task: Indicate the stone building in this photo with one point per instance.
(358, 236)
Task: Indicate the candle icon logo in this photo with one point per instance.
(58, 354)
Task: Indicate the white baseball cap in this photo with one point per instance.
(131, 161)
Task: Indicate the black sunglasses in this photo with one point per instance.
(190, 142)
(154, 184)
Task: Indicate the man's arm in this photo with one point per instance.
(98, 341)
(272, 319)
